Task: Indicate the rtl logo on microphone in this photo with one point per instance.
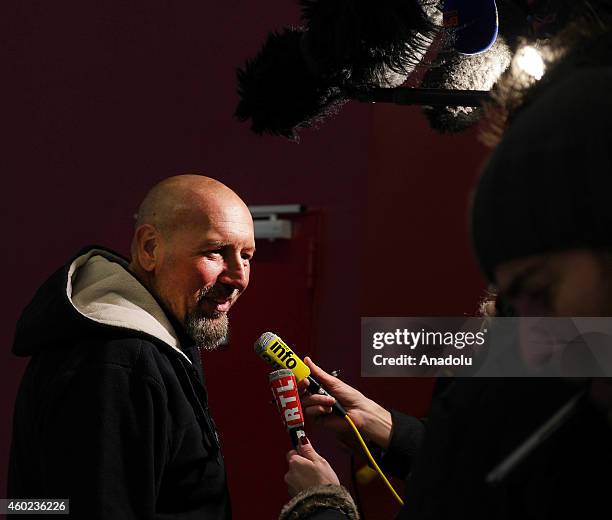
(284, 390)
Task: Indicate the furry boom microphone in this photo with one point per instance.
(349, 49)
(304, 74)
(280, 92)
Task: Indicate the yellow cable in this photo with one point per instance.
(371, 459)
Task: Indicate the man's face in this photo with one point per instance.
(202, 269)
(568, 283)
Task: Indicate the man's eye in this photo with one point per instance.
(214, 252)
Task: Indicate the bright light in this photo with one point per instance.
(529, 60)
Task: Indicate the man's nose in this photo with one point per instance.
(236, 273)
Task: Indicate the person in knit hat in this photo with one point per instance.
(542, 211)
(542, 231)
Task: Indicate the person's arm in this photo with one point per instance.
(407, 435)
(371, 419)
(321, 503)
(398, 436)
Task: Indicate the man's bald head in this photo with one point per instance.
(182, 200)
(192, 247)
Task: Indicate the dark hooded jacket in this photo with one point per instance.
(112, 411)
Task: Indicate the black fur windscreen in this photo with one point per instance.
(278, 91)
(301, 75)
(368, 39)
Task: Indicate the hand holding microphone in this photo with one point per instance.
(277, 353)
(367, 415)
(307, 469)
(373, 419)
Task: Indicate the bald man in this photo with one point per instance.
(112, 412)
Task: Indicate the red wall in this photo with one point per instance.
(103, 99)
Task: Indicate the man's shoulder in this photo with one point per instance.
(121, 348)
(132, 351)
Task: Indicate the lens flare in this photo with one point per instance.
(529, 60)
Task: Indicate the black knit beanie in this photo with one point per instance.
(548, 185)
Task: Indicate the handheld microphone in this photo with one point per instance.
(277, 353)
(284, 389)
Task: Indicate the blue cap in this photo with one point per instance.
(474, 24)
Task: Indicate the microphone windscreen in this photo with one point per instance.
(280, 93)
(369, 39)
(263, 341)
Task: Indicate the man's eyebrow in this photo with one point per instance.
(518, 283)
(217, 244)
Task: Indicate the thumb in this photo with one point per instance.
(327, 380)
(306, 450)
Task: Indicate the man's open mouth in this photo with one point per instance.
(217, 305)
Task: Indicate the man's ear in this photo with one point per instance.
(148, 249)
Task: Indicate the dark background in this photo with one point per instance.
(102, 99)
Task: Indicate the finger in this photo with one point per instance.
(313, 412)
(317, 400)
(291, 454)
(306, 450)
(327, 380)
